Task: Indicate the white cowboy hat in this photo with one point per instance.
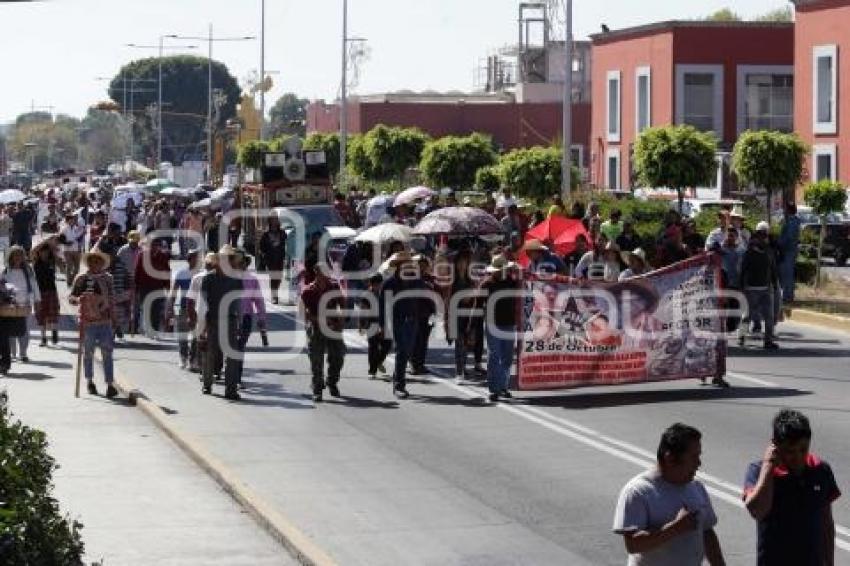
(638, 253)
(500, 263)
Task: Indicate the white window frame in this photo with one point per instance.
(821, 150)
(613, 136)
(830, 127)
(615, 153)
(743, 72)
(717, 71)
(641, 72)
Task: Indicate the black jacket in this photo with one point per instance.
(758, 268)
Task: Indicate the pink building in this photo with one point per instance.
(721, 77)
(822, 90)
(511, 124)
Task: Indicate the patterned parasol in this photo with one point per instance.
(458, 221)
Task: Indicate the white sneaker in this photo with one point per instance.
(459, 380)
(183, 364)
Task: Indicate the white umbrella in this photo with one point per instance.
(389, 232)
(176, 192)
(203, 203)
(413, 194)
(220, 194)
(11, 195)
(377, 207)
(120, 200)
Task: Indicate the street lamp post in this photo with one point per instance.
(262, 70)
(343, 106)
(566, 164)
(161, 47)
(210, 39)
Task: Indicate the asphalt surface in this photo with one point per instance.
(445, 478)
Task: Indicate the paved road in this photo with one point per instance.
(141, 501)
(444, 478)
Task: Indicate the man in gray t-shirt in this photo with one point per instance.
(664, 515)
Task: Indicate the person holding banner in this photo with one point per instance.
(501, 287)
(94, 293)
(636, 261)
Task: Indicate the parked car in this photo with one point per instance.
(836, 243)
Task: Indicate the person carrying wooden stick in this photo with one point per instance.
(94, 292)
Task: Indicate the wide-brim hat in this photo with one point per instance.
(227, 250)
(98, 254)
(639, 287)
(534, 246)
(400, 257)
(500, 263)
(134, 236)
(638, 253)
(612, 247)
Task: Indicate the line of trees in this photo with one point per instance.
(385, 155)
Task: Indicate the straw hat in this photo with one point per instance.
(612, 247)
(98, 254)
(534, 246)
(500, 263)
(400, 257)
(134, 236)
(227, 250)
(638, 253)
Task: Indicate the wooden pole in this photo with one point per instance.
(79, 359)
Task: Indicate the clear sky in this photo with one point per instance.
(52, 51)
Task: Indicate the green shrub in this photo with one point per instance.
(487, 179)
(32, 530)
(453, 161)
(806, 271)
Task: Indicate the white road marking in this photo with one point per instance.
(719, 488)
(751, 379)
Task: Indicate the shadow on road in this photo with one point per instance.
(627, 398)
(757, 352)
(28, 376)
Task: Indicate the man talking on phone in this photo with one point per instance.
(790, 493)
(665, 515)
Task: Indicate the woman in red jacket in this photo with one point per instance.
(153, 278)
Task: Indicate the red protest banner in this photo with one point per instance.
(661, 326)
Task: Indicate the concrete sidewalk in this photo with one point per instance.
(140, 499)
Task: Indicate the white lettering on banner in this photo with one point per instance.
(662, 326)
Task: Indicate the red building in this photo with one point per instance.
(822, 91)
(510, 124)
(724, 77)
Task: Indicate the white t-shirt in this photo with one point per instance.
(648, 502)
(73, 237)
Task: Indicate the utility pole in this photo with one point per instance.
(343, 108)
(262, 70)
(209, 109)
(566, 164)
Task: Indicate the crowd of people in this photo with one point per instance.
(135, 245)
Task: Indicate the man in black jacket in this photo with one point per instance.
(758, 279)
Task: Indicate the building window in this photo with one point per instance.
(612, 169)
(825, 162)
(699, 97)
(825, 81)
(766, 98)
(614, 106)
(643, 98)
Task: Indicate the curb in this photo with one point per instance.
(828, 321)
(302, 548)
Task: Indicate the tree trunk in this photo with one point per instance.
(820, 250)
(681, 195)
(769, 205)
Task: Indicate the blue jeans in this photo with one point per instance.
(404, 335)
(786, 275)
(98, 335)
(760, 307)
(500, 356)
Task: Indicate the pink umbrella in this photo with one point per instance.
(413, 194)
